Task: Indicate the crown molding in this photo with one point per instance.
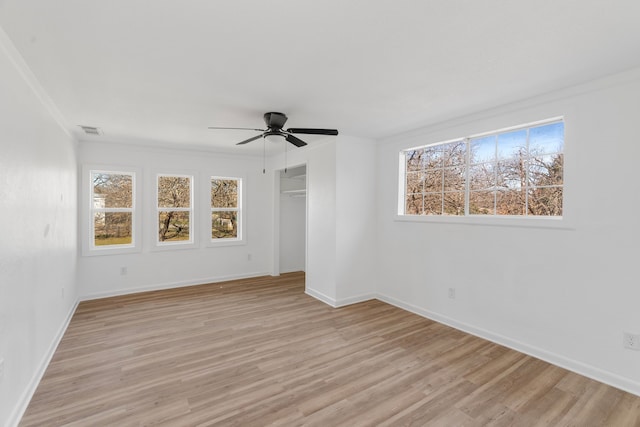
(16, 59)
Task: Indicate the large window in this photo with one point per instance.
(175, 209)
(112, 209)
(225, 209)
(518, 172)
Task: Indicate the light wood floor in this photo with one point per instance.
(260, 352)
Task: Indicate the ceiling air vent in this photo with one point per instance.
(90, 130)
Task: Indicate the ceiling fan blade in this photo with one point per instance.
(295, 141)
(250, 139)
(216, 127)
(310, 131)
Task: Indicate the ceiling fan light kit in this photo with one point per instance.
(272, 138)
(275, 123)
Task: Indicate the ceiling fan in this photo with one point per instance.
(275, 122)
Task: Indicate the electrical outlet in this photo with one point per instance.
(248, 257)
(631, 341)
(452, 293)
(123, 271)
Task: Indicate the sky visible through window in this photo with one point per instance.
(542, 140)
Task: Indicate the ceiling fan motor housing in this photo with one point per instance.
(275, 120)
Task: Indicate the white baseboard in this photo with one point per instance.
(341, 302)
(320, 296)
(171, 285)
(586, 370)
(354, 299)
(27, 394)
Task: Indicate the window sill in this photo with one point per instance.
(226, 242)
(486, 221)
(110, 250)
(172, 246)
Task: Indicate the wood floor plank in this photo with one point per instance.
(259, 352)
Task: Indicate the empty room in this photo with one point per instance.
(330, 213)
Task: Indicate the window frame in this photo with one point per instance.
(238, 209)
(193, 217)
(241, 239)
(536, 221)
(88, 246)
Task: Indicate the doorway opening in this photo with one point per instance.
(292, 222)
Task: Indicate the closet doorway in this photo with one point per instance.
(293, 219)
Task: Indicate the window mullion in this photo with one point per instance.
(442, 187)
(526, 177)
(112, 209)
(467, 168)
(496, 165)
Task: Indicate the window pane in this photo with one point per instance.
(432, 157)
(510, 174)
(454, 203)
(454, 153)
(512, 145)
(433, 204)
(111, 190)
(414, 182)
(112, 228)
(482, 176)
(546, 170)
(413, 204)
(224, 225)
(174, 191)
(433, 180)
(454, 178)
(413, 159)
(483, 149)
(482, 203)
(545, 201)
(173, 226)
(224, 193)
(546, 139)
(510, 202)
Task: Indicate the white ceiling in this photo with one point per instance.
(161, 71)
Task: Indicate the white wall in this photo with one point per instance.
(565, 295)
(155, 269)
(356, 234)
(38, 245)
(340, 192)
